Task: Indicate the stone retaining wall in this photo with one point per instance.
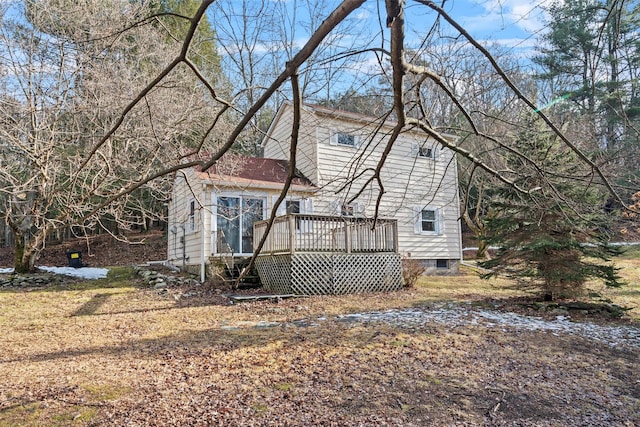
(38, 280)
(158, 280)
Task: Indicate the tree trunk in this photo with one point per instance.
(25, 255)
(482, 248)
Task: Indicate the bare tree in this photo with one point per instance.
(95, 166)
(68, 73)
(405, 73)
(258, 38)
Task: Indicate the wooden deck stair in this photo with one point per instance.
(233, 266)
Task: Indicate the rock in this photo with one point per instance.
(160, 285)
(265, 324)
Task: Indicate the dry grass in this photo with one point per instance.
(110, 353)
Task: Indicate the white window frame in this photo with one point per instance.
(339, 208)
(438, 221)
(214, 214)
(191, 215)
(306, 205)
(348, 209)
(291, 202)
(306, 208)
(418, 149)
(335, 139)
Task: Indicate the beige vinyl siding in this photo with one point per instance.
(278, 142)
(410, 182)
(205, 196)
(179, 208)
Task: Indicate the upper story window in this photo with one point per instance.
(425, 150)
(345, 139)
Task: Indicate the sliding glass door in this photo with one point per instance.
(234, 220)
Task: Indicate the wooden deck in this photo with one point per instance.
(317, 255)
(316, 233)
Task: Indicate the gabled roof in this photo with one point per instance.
(326, 112)
(346, 115)
(240, 171)
(333, 113)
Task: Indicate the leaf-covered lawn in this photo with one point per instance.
(109, 353)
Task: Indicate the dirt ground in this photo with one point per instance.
(111, 352)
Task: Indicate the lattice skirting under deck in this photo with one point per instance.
(330, 273)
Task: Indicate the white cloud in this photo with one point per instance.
(505, 15)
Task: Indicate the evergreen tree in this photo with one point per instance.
(590, 56)
(203, 52)
(554, 239)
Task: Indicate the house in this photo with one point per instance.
(213, 212)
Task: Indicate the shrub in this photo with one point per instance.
(412, 269)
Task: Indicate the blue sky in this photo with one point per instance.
(510, 22)
(514, 24)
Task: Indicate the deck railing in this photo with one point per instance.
(317, 233)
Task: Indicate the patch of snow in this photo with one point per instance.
(82, 273)
(459, 316)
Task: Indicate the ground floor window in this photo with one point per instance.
(293, 206)
(234, 221)
(442, 263)
(428, 220)
(192, 215)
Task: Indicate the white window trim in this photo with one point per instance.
(306, 205)
(359, 209)
(415, 150)
(191, 216)
(306, 208)
(438, 222)
(333, 139)
(214, 214)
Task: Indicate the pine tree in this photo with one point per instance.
(590, 57)
(554, 239)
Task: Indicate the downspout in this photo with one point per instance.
(184, 247)
(203, 234)
(455, 164)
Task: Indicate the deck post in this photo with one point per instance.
(347, 236)
(395, 236)
(292, 233)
